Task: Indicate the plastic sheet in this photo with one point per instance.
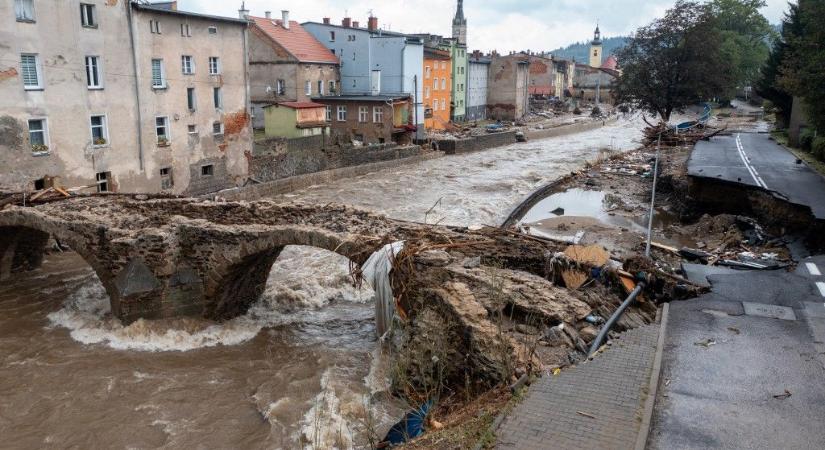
(376, 273)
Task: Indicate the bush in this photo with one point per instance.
(818, 148)
(806, 140)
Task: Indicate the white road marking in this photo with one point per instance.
(745, 160)
(821, 287)
(813, 269)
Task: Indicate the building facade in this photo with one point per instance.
(478, 69)
(126, 97)
(438, 73)
(295, 119)
(287, 64)
(375, 62)
(369, 119)
(458, 55)
(595, 84)
(596, 49)
(508, 87)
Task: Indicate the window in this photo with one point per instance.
(280, 87)
(213, 30)
(38, 135)
(332, 36)
(166, 181)
(443, 104)
(208, 170)
(363, 114)
(162, 130)
(443, 65)
(190, 99)
(308, 88)
(342, 113)
(184, 30)
(87, 15)
(93, 78)
(158, 74)
(443, 83)
(193, 129)
(329, 113)
(378, 114)
(24, 10)
(320, 87)
(426, 92)
(187, 65)
(102, 179)
(426, 71)
(100, 135)
(217, 128)
(154, 26)
(217, 96)
(214, 65)
(331, 86)
(30, 70)
(435, 84)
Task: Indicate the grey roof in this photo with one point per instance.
(164, 9)
(363, 98)
(365, 30)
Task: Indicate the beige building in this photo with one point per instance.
(120, 96)
(508, 86)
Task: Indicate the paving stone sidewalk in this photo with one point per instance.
(611, 388)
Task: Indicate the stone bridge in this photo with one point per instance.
(160, 258)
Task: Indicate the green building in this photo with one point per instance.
(296, 119)
(458, 53)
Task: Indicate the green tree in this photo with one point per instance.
(745, 34)
(768, 85)
(803, 68)
(674, 62)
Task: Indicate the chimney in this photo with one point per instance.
(326, 20)
(285, 19)
(355, 24)
(243, 13)
(346, 23)
(372, 23)
(268, 14)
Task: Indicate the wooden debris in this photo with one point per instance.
(593, 255)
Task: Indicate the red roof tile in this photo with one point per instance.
(296, 40)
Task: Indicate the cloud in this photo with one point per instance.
(503, 25)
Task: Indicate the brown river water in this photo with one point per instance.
(302, 369)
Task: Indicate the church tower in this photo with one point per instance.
(460, 24)
(596, 49)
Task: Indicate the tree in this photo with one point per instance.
(674, 62)
(802, 72)
(746, 34)
(768, 85)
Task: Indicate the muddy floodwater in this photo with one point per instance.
(301, 369)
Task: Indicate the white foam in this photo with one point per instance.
(324, 425)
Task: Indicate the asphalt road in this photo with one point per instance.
(726, 369)
(754, 160)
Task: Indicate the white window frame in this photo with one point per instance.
(320, 87)
(184, 30)
(219, 133)
(104, 124)
(443, 84)
(308, 87)
(341, 111)
(88, 15)
(104, 180)
(194, 106)
(192, 128)
(329, 113)
(427, 72)
(377, 114)
(45, 132)
(187, 64)
(98, 67)
(435, 84)
(426, 92)
(37, 72)
(167, 130)
(443, 104)
(154, 26)
(212, 30)
(280, 87)
(217, 97)
(363, 114)
(214, 65)
(162, 84)
(20, 11)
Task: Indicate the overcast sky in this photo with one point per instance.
(502, 25)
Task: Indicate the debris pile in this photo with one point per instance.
(672, 136)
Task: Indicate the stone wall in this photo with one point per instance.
(568, 129)
(476, 143)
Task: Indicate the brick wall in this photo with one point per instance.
(200, 184)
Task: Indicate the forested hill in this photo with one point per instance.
(581, 50)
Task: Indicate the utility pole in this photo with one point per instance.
(415, 105)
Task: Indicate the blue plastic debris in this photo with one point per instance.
(410, 427)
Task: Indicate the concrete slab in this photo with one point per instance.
(768, 311)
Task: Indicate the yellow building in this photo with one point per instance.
(596, 49)
(437, 88)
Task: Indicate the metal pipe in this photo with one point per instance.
(614, 318)
(653, 197)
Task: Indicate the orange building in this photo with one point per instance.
(437, 84)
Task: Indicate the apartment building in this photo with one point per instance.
(121, 96)
(438, 79)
